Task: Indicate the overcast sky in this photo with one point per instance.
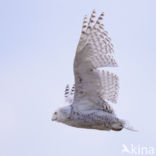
(38, 40)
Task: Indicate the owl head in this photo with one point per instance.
(61, 114)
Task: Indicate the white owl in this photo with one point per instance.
(94, 88)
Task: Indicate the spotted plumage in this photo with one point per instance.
(94, 89)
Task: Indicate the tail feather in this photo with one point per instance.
(117, 126)
(127, 126)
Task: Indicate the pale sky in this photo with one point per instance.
(38, 42)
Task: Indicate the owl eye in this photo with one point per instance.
(55, 113)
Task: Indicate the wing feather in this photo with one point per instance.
(109, 86)
(69, 94)
(94, 50)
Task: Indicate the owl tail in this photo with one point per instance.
(127, 126)
(117, 126)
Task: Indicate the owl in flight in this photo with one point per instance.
(94, 88)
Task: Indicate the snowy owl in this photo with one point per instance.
(94, 89)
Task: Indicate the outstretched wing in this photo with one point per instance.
(94, 50)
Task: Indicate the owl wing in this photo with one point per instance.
(93, 88)
(69, 94)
